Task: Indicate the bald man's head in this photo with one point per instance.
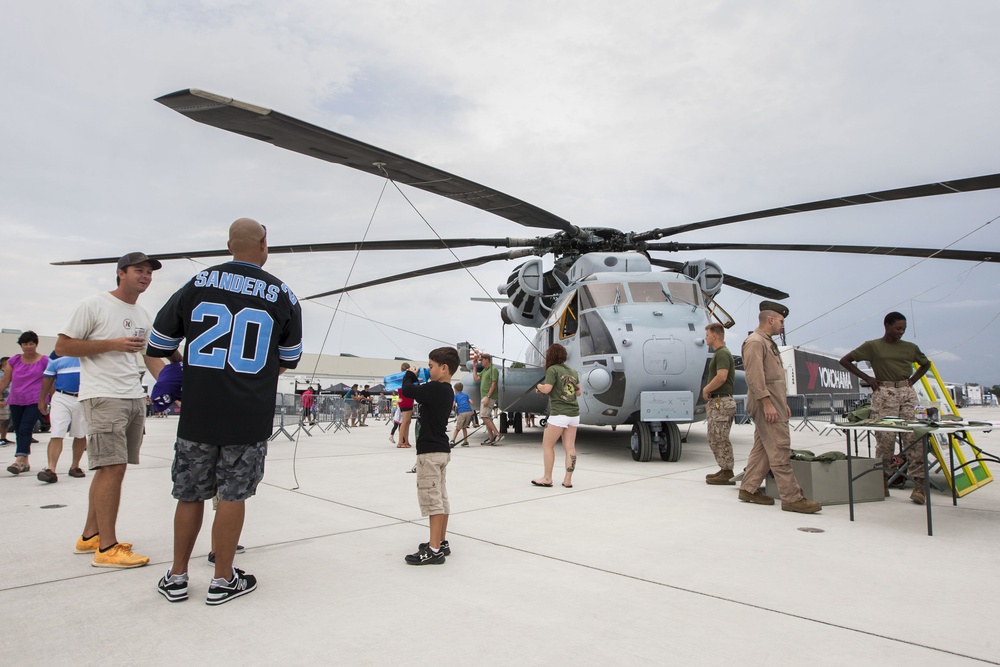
(248, 241)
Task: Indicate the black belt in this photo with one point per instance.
(720, 395)
(68, 393)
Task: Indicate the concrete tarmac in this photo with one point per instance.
(639, 563)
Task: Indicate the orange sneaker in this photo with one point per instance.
(93, 544)
(120, 556)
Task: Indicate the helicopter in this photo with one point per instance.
(632, 323)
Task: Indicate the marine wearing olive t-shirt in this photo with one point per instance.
(723, 359)
(891, 362)
(562, 398)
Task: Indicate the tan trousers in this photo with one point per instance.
(772, 450)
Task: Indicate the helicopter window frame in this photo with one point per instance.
(555, 316)
(678, 289)
(595, 337)
(599, 295)
(569, 319)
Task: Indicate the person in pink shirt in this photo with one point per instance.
(23, 373)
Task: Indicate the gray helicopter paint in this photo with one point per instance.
(659, 348)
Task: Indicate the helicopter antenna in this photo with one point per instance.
(326, 336)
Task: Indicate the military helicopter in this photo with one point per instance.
(634, 333)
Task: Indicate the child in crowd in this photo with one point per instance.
(433, 451)
(463, 415)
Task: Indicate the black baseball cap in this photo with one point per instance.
(134, 258)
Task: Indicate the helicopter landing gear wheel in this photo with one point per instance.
(518, 422)
(642, 442)
(670, 447)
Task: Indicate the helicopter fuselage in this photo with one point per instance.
(632, 335)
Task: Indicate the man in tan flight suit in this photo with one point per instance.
(767, 405)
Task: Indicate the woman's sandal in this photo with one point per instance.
(17, 468)
(403, 445)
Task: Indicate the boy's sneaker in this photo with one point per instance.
(241, 584)
(425, 556)
(119, 556)
(445, 547)
(174, 588)
(211, 554)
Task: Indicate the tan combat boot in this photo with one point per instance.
(803, 506)
(758, 497)
(918, 493)
(723, 477)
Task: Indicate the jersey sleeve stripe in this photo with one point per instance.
(290, 353)
(161, 342)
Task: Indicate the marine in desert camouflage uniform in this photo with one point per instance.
(720, 405)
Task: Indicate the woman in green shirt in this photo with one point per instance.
(562, 384)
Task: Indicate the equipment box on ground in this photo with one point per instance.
(826, 483)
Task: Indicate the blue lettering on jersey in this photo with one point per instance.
(213, 279)
(204, 352)
(272, 293)
(291, 297)
(199, 280)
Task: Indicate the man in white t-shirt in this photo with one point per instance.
(108, 332)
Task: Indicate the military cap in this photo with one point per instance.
(779, 308)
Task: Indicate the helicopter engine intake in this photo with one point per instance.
(529, 301)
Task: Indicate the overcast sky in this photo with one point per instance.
(630, 114)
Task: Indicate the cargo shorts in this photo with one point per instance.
(116, 428)
(432, 494)
(200, 470)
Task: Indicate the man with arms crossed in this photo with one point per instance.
(243, 328)
(108, 333)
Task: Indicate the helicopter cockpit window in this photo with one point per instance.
(647, 292)
(594, 336)
(596, 295)
(657, 292)
(684, 293)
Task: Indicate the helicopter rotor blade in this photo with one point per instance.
(729, 280)
(960, 255)
(441, 268)
(295, 135)
(345, 246)
(973, 184)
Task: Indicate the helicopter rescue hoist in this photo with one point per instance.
(634, 333)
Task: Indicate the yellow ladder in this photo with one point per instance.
(969, 477)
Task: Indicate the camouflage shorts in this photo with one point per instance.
(200, 470)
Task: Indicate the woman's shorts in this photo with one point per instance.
(562, 421)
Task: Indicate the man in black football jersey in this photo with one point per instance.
(243, 328)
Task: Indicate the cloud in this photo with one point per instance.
(635, 116)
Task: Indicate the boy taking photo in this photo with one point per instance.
(433, 450)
